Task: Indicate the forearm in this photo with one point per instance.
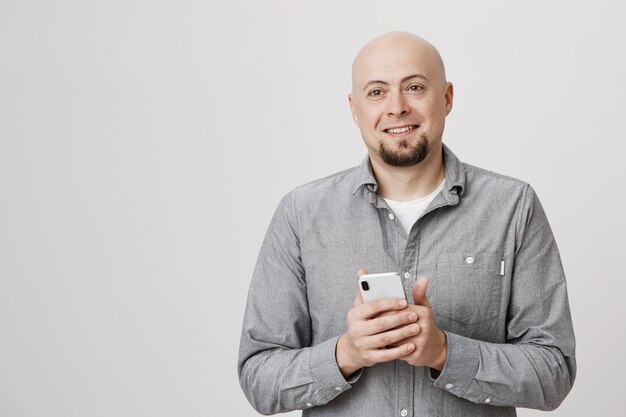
(279, 379)
(520, 375)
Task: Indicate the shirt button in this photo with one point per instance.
(469, 260)
(309, 404)
(487, 400)
(449, 386)
(407, 275)
(403, 412)
(391, 216)
(338, 388)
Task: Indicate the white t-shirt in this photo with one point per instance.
(409, 211)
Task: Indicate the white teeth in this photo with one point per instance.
(400, 129)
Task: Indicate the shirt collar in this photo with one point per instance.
(455, 172)
(364, 176)
(455, 175)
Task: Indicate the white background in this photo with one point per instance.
(144, 146)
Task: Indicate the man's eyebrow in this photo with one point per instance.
(405, 79)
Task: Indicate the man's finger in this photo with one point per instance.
(419, 292)
(392, 338)
(358, 300)
(373, 308)
(386, 355)
(383, 324)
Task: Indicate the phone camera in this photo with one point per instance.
(365, 285)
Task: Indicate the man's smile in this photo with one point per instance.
(401, 130)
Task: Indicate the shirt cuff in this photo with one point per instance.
(461, 365)
(328, 380)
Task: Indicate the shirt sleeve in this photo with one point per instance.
(278, 368)
(536, 367)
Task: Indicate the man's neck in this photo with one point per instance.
(409, 183)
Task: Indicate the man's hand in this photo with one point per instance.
(431, 347)
(368, 334)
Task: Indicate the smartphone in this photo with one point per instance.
(385, 285)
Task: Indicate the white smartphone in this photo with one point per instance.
(385, 285)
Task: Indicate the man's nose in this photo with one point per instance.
(398, 105)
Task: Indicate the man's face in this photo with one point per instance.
(400, 100)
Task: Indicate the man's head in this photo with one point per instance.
(400, 98)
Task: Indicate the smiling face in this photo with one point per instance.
(400, 98)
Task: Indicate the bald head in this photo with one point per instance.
(394, 50)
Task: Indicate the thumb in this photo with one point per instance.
(362, 271)
(419, 292)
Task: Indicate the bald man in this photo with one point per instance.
(485, 326)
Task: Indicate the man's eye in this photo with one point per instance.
(415, 87)
(375, 93)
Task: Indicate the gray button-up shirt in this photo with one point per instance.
(496, 286)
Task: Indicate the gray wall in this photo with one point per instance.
(145, 144)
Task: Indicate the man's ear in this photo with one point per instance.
(352, 109)
(449, 94)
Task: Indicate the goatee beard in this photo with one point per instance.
(405, 159)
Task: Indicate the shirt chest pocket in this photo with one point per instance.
(468, 286)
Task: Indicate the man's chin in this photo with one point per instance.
(401, 162)
(404, 155)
